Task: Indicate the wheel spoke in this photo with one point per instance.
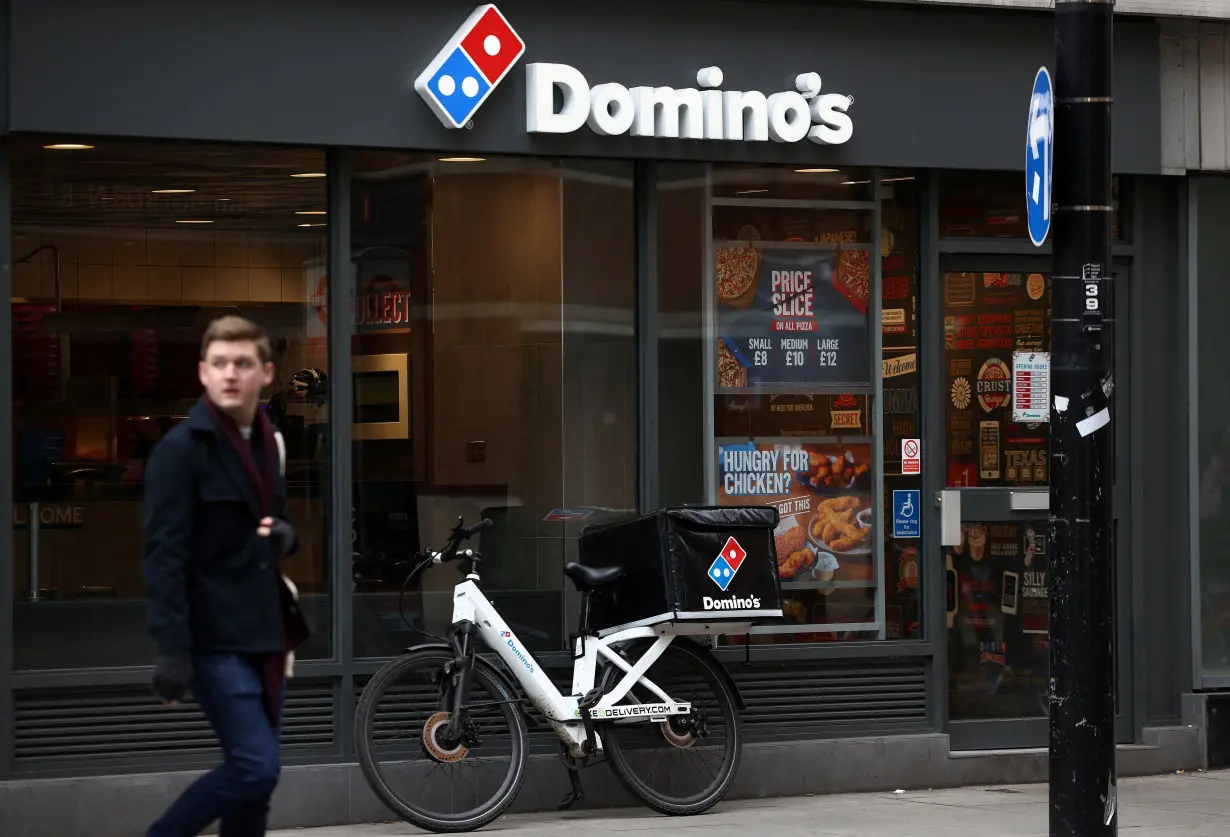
(481, 773)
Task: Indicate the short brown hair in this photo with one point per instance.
(231, 328)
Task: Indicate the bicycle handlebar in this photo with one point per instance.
(460, 535)
(471, 531)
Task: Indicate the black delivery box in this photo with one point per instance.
(697, 564)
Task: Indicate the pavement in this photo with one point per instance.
(1190, 804)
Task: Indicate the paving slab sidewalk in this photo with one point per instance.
(1190, 804)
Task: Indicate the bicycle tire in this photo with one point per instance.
(628, 775)
(365, 716)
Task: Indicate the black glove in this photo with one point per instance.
(283, 537)
(172, 674)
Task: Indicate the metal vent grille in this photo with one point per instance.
(832, 699)
(124, 722)
(788, 701)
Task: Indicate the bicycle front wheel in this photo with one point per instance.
(686, 764)
(432, 779)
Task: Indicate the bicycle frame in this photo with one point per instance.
(563, 712)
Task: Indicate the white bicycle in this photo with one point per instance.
(442, 732)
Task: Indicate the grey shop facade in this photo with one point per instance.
(635, 262)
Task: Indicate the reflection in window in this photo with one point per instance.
(764, 317)
(1213, 458)
(992, 205)
(515, 396)
(122, 254)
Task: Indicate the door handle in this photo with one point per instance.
(950, 518)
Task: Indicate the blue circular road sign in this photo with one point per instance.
(1039, 157)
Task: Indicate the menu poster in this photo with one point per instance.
(899, 399)
(792, 318)
(994, 322)
(795, 415)
(824, 495)
(899, 304)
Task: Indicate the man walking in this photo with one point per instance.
(223, 618)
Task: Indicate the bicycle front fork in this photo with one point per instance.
(460, 674)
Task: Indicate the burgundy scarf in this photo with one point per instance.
(265, 482)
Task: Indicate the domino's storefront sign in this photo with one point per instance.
(485, 48)
(1039, 157)
(470, 66)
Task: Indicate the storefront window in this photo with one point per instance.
(992, 205)
(494, 376)
(122, 255)
(1213, 439)
(768, 379)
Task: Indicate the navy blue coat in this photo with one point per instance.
(212, 580)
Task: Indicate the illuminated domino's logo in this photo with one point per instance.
(473, 62)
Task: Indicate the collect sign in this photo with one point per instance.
(383, 301)
(1039, 157)
(791, 318)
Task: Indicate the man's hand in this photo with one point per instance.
(172, 674)
(280, 533)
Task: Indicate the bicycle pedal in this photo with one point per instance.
(590, 699)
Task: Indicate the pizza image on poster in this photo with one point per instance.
(791, 318)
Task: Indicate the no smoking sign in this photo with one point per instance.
(911, 456)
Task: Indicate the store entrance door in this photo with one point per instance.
(997, 338)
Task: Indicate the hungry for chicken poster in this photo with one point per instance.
(823, 493)
(792, 317)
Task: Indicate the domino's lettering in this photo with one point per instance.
(520, 655)
(734, 603)
(611, 109)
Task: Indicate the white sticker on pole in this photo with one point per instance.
(1095, 422)
(911, 456)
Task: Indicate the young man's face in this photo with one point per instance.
(233, 376)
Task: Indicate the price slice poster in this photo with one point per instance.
(792, 318)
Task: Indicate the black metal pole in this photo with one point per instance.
(1083, 788)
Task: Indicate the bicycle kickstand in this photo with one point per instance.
(577, 794)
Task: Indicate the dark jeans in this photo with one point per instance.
(229, 689)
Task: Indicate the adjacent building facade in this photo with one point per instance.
(567, 264)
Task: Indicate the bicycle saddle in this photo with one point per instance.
(590, 578)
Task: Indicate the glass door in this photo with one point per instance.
(996, 354)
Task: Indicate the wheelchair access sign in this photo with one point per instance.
(907, 514)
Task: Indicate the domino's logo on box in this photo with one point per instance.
(473, 62)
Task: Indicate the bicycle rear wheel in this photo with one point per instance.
(686, 764)
(405, 752)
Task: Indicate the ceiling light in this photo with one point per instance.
(312, 225)
(856, 182)
(311, 212)
(68, 146)
(172, 191)
(194, 221)
(462, 159)
(815, 171)
(311, 174)
(751, 191)
(221, 200)
(895, 179)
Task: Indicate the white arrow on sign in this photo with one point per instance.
(1040, 133)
